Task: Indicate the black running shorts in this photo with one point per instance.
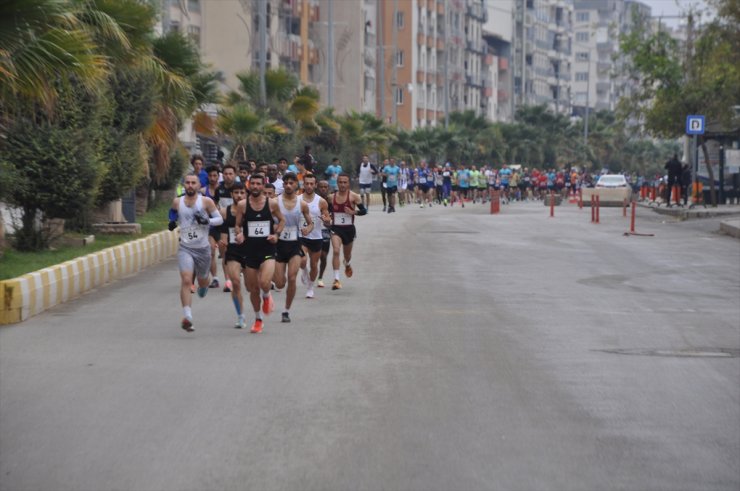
(347, 234)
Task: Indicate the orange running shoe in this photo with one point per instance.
(187, 325)
(267, 305)
(257, 326)
(348, 271)
(336, 285)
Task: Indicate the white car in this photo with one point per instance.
(611, 181)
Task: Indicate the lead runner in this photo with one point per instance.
(345, 204)
(195, 214)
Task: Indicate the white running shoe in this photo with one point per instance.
(309, 293)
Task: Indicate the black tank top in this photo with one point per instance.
(257, 225)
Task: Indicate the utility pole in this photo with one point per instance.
(394, 67)
(262, 20)
(445, 37)
(330, 55)
(381, 61)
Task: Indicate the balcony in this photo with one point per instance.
(421, 39)
(475, 47)
(476, 11)
(605, 47)
(440, 8)
(503, 64)
(421, 75)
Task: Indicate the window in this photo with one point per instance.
(582, 36)
(581, 76)
(582, 56)
(174, 26)
(399, 20)
(194, 5)
(194, 35)
(399, 96)
(582, 16)
(399, 57)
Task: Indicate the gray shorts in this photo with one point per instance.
(196, 260)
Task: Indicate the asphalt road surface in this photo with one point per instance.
(469, 351)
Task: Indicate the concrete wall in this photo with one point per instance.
(33, 293)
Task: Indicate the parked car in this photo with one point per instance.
(612, 181)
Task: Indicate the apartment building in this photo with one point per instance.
(599, 81)
(543, 38)
(433, 60)
(497, 33)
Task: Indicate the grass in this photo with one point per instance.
(15, 263)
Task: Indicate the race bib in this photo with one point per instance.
(259, 229)
(289, 234)
(342, 219)
(232, 235)
(189, 234)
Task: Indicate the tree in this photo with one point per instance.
(704, 79)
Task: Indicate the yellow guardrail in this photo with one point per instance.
(33, 293)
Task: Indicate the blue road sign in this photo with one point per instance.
(694, 125)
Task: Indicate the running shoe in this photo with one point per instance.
(202, 291)
(187, 325)
(240, 324)
(214, 283)
(320, 283)
(192, 288)
(384, 209)
(348, 271)
(421, 205)
(267, 305)
(309, 293)
(257, 326)
(227, 286)
(304, 276)
(336, 285)
(285, 317)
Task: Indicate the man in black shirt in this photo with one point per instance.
(673, 167)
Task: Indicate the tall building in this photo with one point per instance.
(543, 38)
(432, 60)
(599, 80)
(497, 32)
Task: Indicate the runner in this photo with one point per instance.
(223, 200)
(404, 179)
(289, 250)
(390, 172)
(322, 189)
(195, 214)
(344, 206)
(234, 256)
(365, 171)
(332, 172)
(211, 191)
(314, 241)
(254, 228)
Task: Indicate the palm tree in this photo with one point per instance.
(250, 131)
(42, 41)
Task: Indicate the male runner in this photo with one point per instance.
(390, 172)
(195, 214)
(365, 172)
(289, 250)
(255, 228)
(224, 199)
(313, 242)
(322, 189)
(234, 255)
(345, 204)
(211, 191)
(332, 172)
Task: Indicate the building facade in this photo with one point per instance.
(599, 80)
(543, 37)
(497, 33)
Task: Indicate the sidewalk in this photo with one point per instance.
(730, 226)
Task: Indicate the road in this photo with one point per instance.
(469, 351)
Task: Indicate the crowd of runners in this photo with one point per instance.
(264, 225)
(268, 224)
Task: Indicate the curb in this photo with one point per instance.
(33, 293)
(730, 227)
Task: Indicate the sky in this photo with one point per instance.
(673, 7)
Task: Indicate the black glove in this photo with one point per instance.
(172, 225)
(361, 210)
(201, 219)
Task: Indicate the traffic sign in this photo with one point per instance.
(694, 125)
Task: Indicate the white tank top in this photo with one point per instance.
(192, 234)
(315, 211)
(366, 174)
(293, 220)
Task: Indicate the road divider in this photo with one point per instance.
(33, 293)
